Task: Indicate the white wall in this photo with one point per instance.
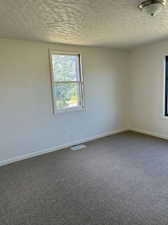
(147, 89)
(26, 121)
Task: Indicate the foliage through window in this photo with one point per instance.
(67, 82)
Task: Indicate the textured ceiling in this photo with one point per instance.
(114, 23)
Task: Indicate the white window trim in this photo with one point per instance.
(163, 88)
(81, 95)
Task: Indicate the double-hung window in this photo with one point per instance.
(67, 81)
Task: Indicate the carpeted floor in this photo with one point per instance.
(117, 180)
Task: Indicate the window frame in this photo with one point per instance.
(166, 88)
(81, 106)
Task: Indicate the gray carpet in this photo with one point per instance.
(117, 180)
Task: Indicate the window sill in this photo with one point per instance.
(164, 117)
(73, 109)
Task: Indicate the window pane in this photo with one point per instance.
(66, 95)
(65, 67)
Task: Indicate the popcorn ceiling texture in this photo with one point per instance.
(114, 23)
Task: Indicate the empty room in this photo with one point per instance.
(83, 112)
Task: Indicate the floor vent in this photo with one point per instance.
(77, 147)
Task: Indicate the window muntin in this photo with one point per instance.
(67, 81)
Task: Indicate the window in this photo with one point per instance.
(67, 81)
(166, 87)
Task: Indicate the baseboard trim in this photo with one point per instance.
(57, 148)
(153, 134)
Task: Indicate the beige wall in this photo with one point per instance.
(122, 90)
(26, 119)
(147, 89)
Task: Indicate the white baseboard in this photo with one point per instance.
(154, 134)
(56, 148)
